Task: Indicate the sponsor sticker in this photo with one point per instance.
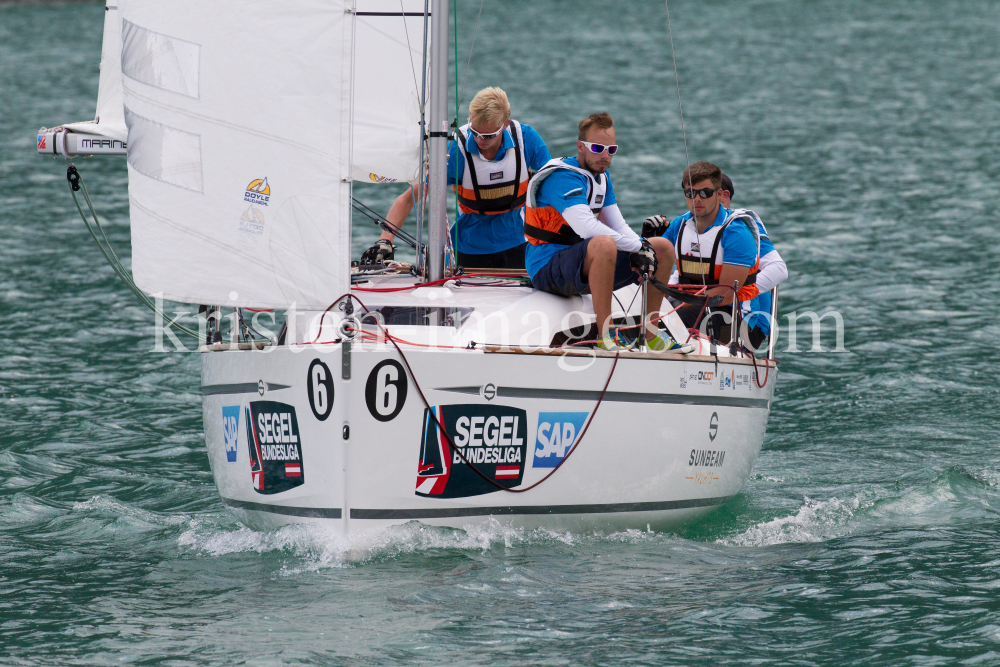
(381, 179)
(230, 430)
(599, 199)
(496, 176)
(258, 192)
(275, 448)
(493, 438)
(41, 142)
(557, 431)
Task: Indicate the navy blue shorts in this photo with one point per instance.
(562, 275)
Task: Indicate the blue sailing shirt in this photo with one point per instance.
(564, 188)
(738, 248)
(480, 234)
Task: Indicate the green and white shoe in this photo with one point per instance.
(613, 343)
(664, 342)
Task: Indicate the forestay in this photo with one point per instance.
(240, 118)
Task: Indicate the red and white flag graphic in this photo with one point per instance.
(508, 471)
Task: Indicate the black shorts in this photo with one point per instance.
(512, 258)
(563, 275)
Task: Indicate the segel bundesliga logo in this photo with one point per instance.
(557, 431)
(275, 449)
(230, 430)
(492, 437)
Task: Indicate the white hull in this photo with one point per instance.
(653, 453)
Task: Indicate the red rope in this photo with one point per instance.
(440, 424)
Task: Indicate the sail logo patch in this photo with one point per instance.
(557, 431)
(381, 179)
(252, 221)
(493, 438)
(275, 448)
(231, 430)
(258, 192)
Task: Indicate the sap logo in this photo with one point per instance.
(496, 176)
(258, 192)
(557, 431)
(230, 430)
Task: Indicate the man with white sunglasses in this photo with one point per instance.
(579, 243)
(489, 165)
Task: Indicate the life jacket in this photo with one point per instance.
(695, 269)
(488, 187)
(546, 224)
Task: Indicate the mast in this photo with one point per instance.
(438, 122)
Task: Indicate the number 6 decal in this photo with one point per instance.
(385, 391)
(320, 387)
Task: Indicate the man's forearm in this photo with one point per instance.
(399, 211)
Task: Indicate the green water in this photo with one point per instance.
(865, 134)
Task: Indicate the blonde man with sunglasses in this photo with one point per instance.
(489, 166)
(579, 243)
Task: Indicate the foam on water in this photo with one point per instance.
(814, 521)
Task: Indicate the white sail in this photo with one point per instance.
(239, 117)
(388, 52)
(105, 135)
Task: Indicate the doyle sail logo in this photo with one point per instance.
(230, 430)
(258, 192)
(275, 447)
(493, 438)
(557, 431)
(252, 221)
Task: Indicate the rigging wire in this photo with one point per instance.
(687, 156)
(76, 181)
(409, 49)
(465, 77)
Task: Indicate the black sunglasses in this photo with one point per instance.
(704, 193)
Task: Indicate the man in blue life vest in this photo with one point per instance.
(489, 165)
(712, 248)
(756, 297)
(579, 243)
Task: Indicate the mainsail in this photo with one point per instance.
(222, 97)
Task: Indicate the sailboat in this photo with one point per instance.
(391, 395)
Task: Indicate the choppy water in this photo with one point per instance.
(865, 135)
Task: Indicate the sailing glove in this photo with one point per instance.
(643, 260)
(381, 252)
(654, 225)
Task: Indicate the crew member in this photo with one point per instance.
(489, 165)
(772, 271)
(579, 243)
(712, 248)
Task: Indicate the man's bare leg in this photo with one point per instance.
(599, 271)
(654, 297)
